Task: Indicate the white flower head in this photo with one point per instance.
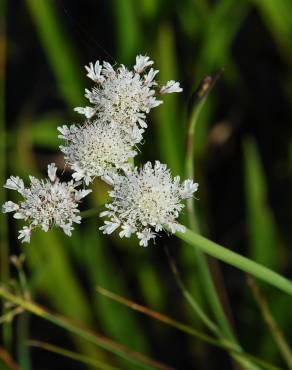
(46, 203)
(146, 201)
(124, 96)
(95, 149)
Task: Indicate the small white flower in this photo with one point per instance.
(15, 183)
(142, 62)
(127, 230)
(68, 229)
(145, 201)
(109, 227)
(171, 87)
(95, 149)
(79, 194)
(9, 207)
(46, 203)
(145, 236)
(94, 72)
(87, 111)
(25, 234)
(189, 188)
(122, 96)
(52, 170)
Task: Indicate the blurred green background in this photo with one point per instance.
(243, 162)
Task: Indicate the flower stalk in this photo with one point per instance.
(236, 260)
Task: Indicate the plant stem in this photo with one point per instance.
(197, 102)
(236, 260)
(238, 354)
(276, 332)
(190, 299)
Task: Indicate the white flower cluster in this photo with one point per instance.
(124, 97)
(146, 201)
(95, 149)
(46, 203)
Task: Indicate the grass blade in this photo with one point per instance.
(263, 243)
(275, 331)
(58, 49)
(229, 347)
(133, 357)
(72, 355)
(236, 260)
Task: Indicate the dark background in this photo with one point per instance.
(243, 162)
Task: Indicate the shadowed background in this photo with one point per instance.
(243, 162)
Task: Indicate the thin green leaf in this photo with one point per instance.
(58, 49)
(225, 345)
(133, 357)
(72, 355)
(263, 243)
(236, 260)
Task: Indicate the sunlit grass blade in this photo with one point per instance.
(227, 346)
(133, 357)
(236, 260)
(58, 49)
(276, 332)
(72, 355)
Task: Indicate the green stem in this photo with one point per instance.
(236, 260)
(190, 299)
(197, 102)
(238, 354)
(276, 332)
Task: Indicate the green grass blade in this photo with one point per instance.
(223, 20)
(58, 49)
(118, 324)
(128, 32)
(169, 124)
(274, 329)
(236, 260)
(263, 243)
(133, 357)
(72, 355)
(226, 345)
(277, 16)
(197, 102)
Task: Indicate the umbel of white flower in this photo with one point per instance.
(46, 203)
(95, 149)
(123, 96)
(146, 201)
